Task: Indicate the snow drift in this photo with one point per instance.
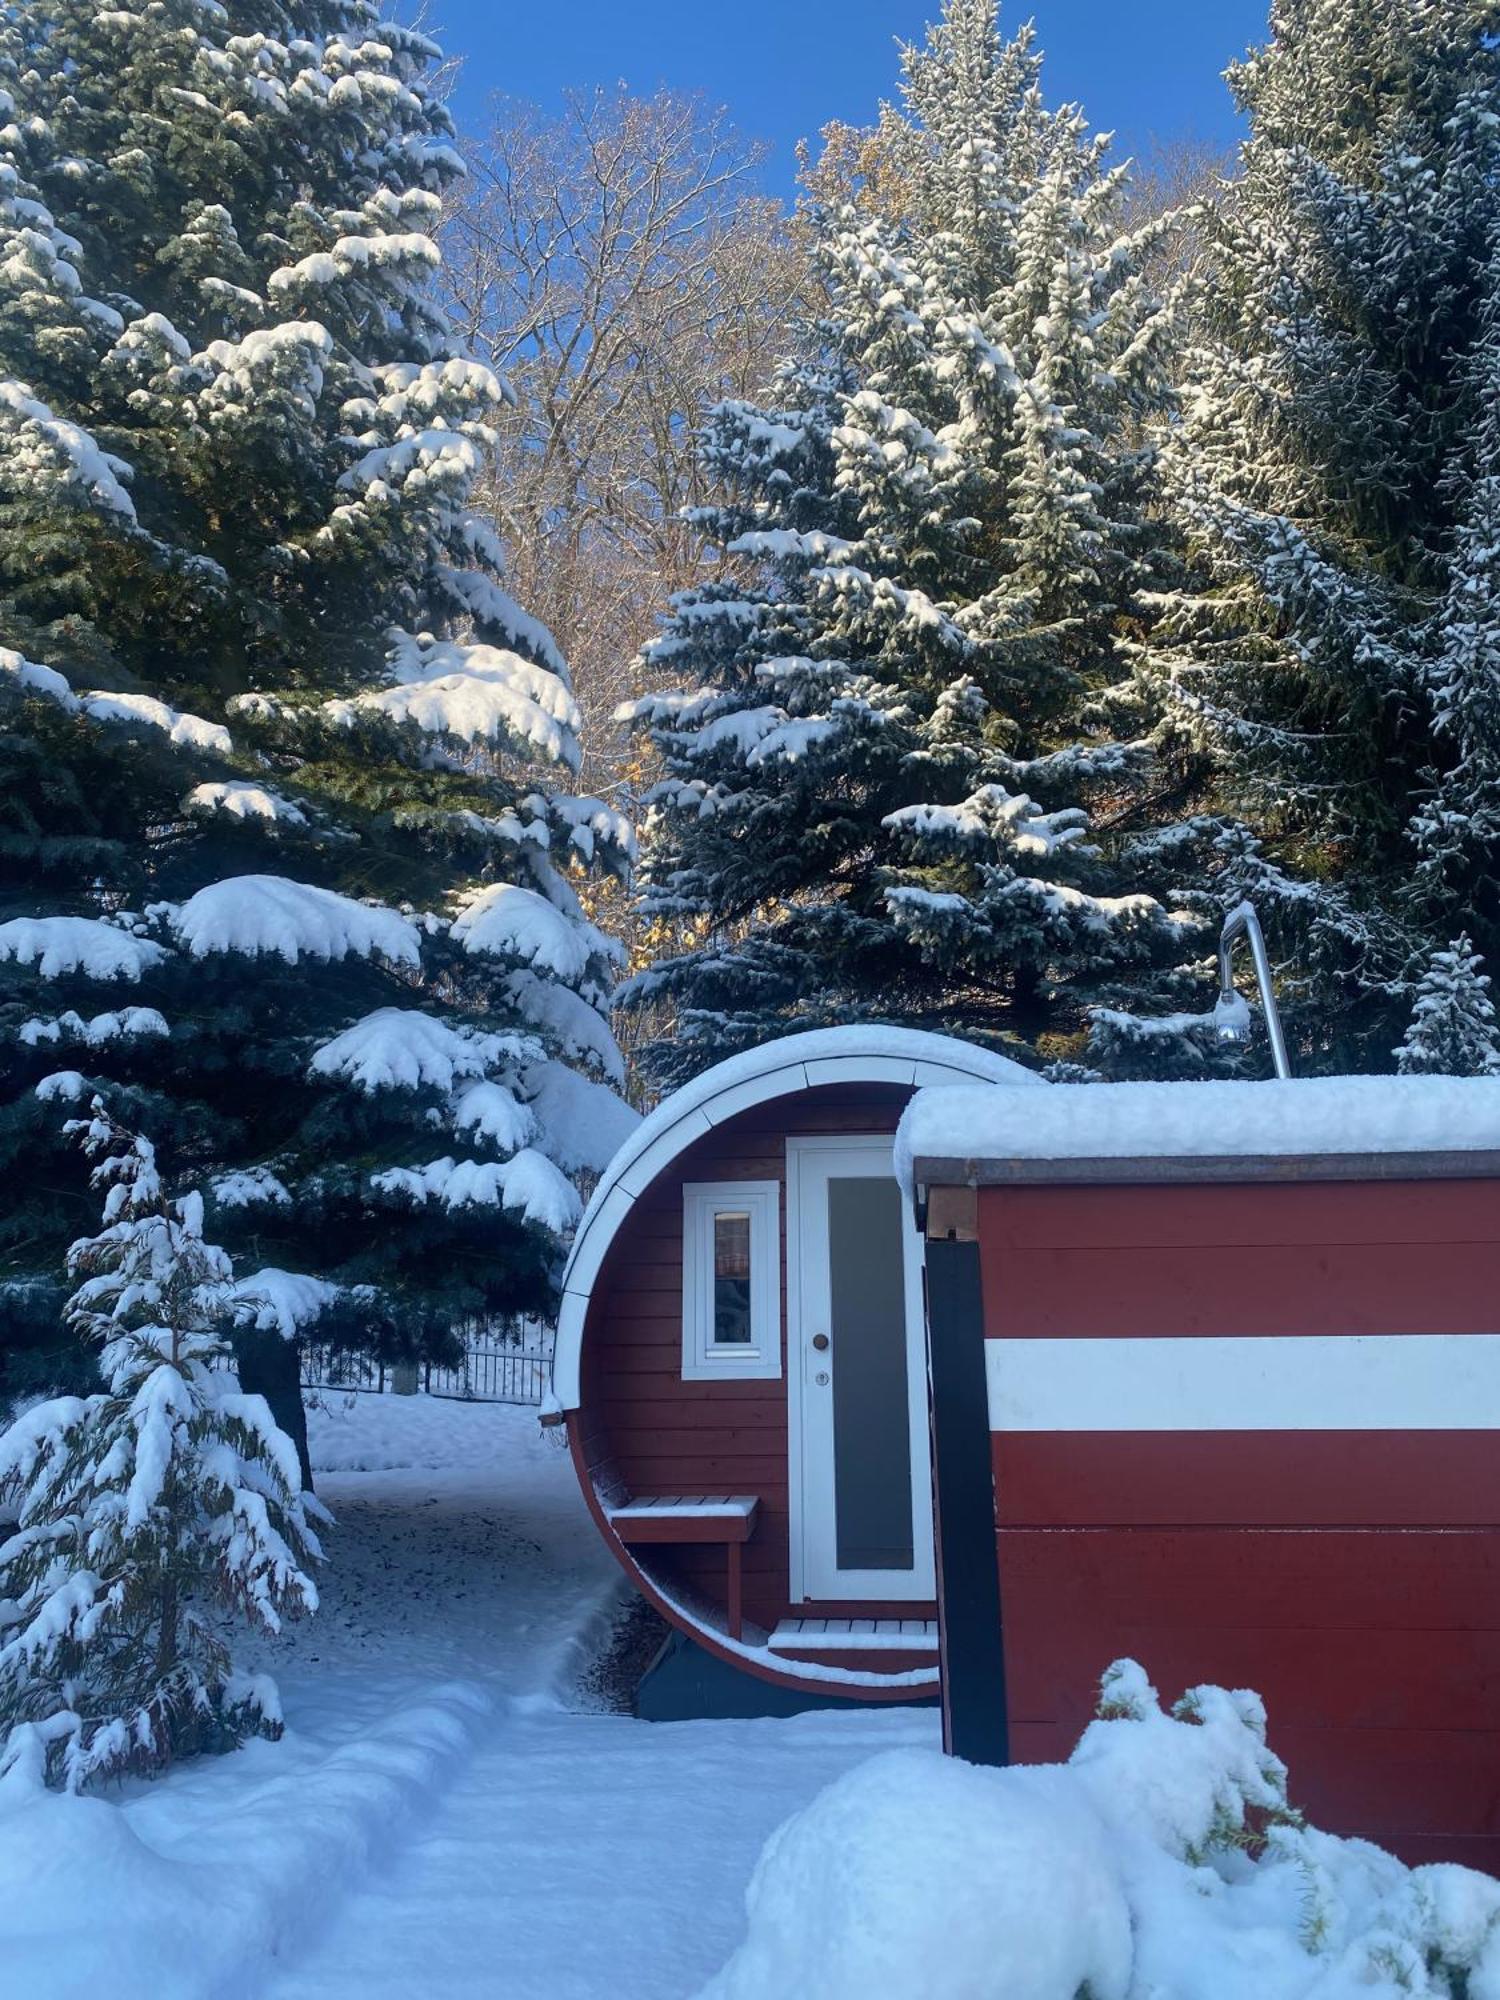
(1162, 1862)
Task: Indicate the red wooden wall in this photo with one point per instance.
(1351, 1577)
(641, 1424)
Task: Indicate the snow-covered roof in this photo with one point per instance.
(856, 1054)
(972, 1133)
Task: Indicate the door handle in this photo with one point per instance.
(821, 1342)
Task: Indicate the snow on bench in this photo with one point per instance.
(855, 1635)
(709, 1506)
(695, 1517)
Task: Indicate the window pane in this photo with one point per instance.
(731, 1278)
(871, 1412)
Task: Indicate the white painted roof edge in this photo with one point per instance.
(775, 1069)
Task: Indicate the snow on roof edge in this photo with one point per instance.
(1303, 1116)
(787, 1054)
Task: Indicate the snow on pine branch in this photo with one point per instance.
(474, 693)
(591, 825)
(407, 252)
(275, 1301)
(46, 454)
(91, 946)
(495, 611)
(401, 1048)
(189, 731)
(578, 1028)
(28, 677)
(101, 1028)
(528, 1183)
(63, 1086)
(269, 366)
(270, 914)
(505, 920)
(245, 1187)
(490, 1111)
(239, 799)
(989, 818)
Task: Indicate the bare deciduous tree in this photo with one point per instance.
(617, 265)
(1178, 178)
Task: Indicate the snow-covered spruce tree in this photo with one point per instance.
(284, 855)
(1453, 1029)
(879, 778)
(1327, 683)
(151, 1517)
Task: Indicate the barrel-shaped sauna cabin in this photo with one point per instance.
(1216, 1386)
(741, 1362)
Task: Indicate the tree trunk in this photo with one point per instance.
(270, 1366)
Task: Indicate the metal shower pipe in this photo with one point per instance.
(1242, 922)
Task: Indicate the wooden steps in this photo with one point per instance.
(829, 1636)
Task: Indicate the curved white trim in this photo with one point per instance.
(775, 1069)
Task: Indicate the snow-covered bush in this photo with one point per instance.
(1161, 1862)
(1453, 1031)
(150, 1515)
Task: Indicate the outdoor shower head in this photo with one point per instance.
(1231, 1014)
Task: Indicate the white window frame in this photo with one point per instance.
(702, 1359)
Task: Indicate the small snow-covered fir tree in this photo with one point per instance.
(1325, 681)
(288, 856)
(151, 1516)
(1453, 1029)
(879, 772)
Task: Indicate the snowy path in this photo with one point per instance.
(585, 1858)
(445, 1816)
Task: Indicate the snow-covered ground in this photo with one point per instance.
(449, 1813)
(452, 1816)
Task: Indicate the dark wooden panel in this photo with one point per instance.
(1344, 1212)
(1349, 1679)
(1419, 1850)
(1248, 1478)
(751, 1470)
(1297, 1288)
(1377, 1654)
(738, 1416)
(663, 1389)
(682, 1530)
(1297, 1580)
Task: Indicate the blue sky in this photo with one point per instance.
(784, 67)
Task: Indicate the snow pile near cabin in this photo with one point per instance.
(1160, 1863)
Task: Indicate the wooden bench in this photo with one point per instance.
(695, 1517)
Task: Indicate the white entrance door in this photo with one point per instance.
(861, 1489)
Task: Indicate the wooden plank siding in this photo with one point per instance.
(659, 1434)
(1351, 1576)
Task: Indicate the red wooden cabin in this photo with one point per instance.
(741, 1361)
(1222, 1368)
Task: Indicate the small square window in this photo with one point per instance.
(731, 1279)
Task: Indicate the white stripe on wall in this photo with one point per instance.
(1334, 1382)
